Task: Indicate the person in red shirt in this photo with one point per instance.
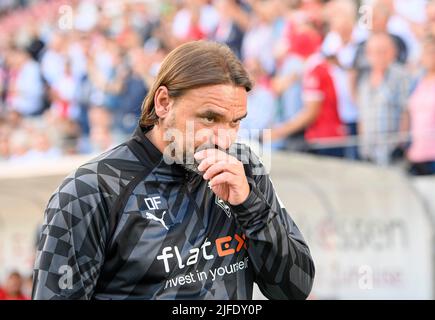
(12, 288)
(319, 89)
(319, 116)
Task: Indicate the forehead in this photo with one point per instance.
(224, 96)
(380, 43)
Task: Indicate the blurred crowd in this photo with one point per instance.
(342, 78)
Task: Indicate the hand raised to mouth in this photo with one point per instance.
(226, 175)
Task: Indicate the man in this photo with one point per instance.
(145, 221)
(318, 117)
(382, 96)
(380, 21)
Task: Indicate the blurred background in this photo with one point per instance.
(347, 89)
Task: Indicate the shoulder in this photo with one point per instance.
(315, 63)
(399, 69)
(316, 69)
(103, 178)
(399, 74)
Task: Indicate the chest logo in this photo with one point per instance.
(151, 216)
(156, 209)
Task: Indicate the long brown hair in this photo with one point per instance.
(192, 65)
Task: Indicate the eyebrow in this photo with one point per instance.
(242, 117)
(215, 114)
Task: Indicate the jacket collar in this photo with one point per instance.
(149, 155)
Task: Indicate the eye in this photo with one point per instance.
(208, 120)
(235, 123)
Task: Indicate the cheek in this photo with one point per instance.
(224, 137)
(203, 134)
(185, 120)
(176, 120)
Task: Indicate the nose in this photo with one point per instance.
(224, 138)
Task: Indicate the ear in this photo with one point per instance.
(162, 102)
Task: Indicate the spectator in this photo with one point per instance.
(302, 41)
(101, 136)
(19, 145)
(319, 114)
(261, 103)
(287, 85)
(404, 17)
(233, 23)
(381, 16)
(259, 36)
(64, 92)
(25, 89)
(339, 45)
(104, 68)
(196, 20)
(42, 144)
(382, 96)
(12, 289)
(421, 113)
(36, 45)
(132, 91)
(54, 58)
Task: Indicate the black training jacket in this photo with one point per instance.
(127, 225)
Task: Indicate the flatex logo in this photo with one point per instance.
(224, 246)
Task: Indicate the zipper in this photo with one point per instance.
(189, 177)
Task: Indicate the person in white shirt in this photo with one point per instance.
(25, 92)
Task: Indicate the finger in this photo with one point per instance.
(206, 164)
(218, 168)
(215, 158)
(211, 152)
(224, 177)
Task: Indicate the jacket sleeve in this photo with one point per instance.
(72, 240)
(277, 250)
